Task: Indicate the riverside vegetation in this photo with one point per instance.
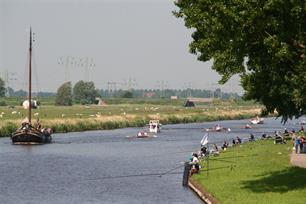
(255, 172)
(120, 113)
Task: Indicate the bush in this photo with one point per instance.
(3, 103)
(7, 129)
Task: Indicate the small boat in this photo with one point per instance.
(142, 134)
(27, 133)
(303, 122)
(217, 128)
(154, 126)
(257, 120)
(248, 126)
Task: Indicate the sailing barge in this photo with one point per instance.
(27, 133)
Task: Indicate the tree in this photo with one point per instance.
(20, 92)
(64, 95)
(127, 94)
(2, 88)
(10, 91)
(263, 41)
(85, 92)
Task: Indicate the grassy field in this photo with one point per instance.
(124, 113)
(257, 172)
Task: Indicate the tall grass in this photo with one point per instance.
(7, 129)
(82, 118)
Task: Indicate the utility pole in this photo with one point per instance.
(112, 88)
(129, 84)
(162, 85)
(67, 62)
(188, 86)
(8, 76)
(75, 61)
(87, 63)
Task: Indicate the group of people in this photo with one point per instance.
(299, 142)
(45, 131)
(236, 141)
(299, 145)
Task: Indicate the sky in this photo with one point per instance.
(134, 43)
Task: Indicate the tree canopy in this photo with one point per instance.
(127, 94)
(85, 92)
(261, 40)
(64, 95)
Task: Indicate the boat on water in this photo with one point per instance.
(154, 126)
(257, 120)
(142, 134)
(28, 133)
(303, 122)
(248, 126)
(217, 128)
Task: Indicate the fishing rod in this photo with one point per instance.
(131, 176)
(167, 172)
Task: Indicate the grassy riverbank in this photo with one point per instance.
(81, 118)
(258, 172)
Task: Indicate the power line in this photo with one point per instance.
(76, 61)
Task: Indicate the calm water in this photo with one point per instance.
(108, 167)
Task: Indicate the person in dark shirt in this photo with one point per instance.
(238, 140)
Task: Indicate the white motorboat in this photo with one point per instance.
(154, 126)
(257, 120)
(142, 134)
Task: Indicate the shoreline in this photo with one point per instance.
(201, 192)
(62, 125)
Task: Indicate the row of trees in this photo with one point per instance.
(82, 92)
(19, 93)
(85, 93)
(167, 93)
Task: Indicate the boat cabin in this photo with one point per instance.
(154, 126)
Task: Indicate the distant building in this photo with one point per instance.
(100, 102)
(200, 100)
(189, 103)
(34, 104)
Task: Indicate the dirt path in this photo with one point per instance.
(298, 159)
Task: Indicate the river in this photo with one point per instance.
(107, 167)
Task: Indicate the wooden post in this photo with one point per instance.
(187, 167)
(208, 155)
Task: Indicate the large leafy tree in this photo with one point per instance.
(2, 88)
(64, 95)
(261, 40)
(85, 92)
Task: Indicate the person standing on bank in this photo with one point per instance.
(297, 142)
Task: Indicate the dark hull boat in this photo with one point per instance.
(27, 134)
(31, 135)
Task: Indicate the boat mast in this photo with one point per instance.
(30, 77)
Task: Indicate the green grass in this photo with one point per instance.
(82, 118)
(258, 172)
(79, 111)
